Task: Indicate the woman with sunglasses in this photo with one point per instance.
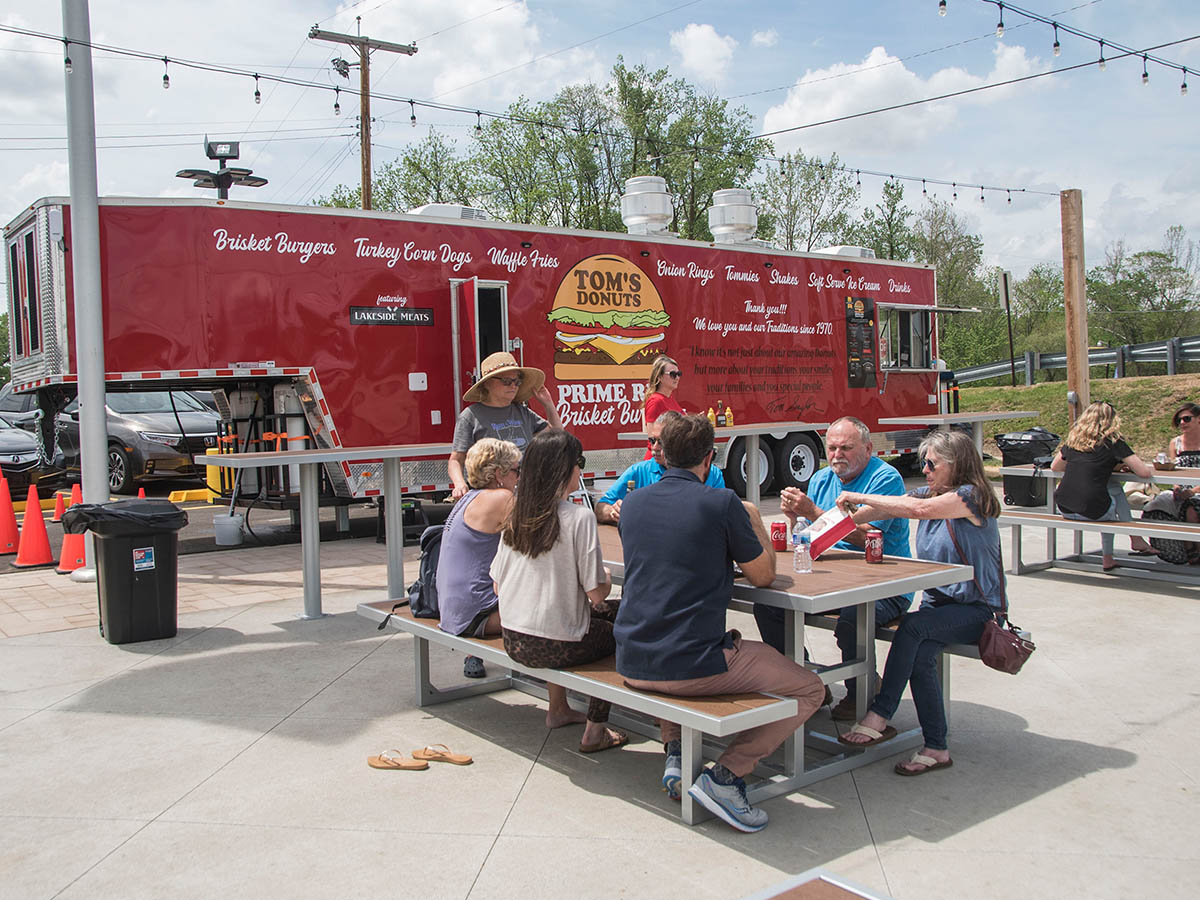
(552, 583)
(498, 411)
(1093, 448)
(466, 595)
(957, 512)
(1180, 504)
(662, 383)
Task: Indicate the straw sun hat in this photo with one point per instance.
(500, 364)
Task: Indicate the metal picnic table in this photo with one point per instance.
(310, 534)
(751, 431)
(943, 421)
(839, 578)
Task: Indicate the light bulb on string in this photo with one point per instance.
(68, 68)
(1000, 25)
(924, 192)
(1182, 87)
(412, 114)
(1057, 45)
(257, 92)
(478, 123)
(542, 136)
(1010, 198)
(166, 77)
(941, 7)
(954, 187)
(337, 107)
(981, 193)
(1102, 64)
(696, 161)
(857, 178)
(1145, 74)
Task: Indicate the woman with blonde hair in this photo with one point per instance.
(467, 599)
(662, 383)
(957, 510)
(1093, 448)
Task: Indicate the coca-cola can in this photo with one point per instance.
(779, 534)
(874, 545)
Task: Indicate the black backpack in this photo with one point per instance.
(422, 593)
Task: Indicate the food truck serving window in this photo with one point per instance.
(905, 337)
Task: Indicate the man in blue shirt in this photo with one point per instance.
(644, 473)
(680, 540)
(852, 467)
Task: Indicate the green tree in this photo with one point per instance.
(809, 200)
(429, 171)
(885, 227)
(1038, 316)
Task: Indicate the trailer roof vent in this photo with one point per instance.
(848, 250)
(733, 217)
(449, 211)
(646, 206)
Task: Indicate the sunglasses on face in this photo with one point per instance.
(927, 463)
(654, 442)
(509, 382)
(675, 373)
(1183, 420)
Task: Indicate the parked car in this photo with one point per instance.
(19, 409)
(18, 457)
(150, 434)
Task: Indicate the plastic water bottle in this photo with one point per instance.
(801, 526)
(802, 555)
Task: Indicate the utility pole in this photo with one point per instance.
(363, 47)
(1075, 301)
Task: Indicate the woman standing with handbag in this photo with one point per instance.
(957, 512)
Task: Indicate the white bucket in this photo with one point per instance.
(228, 529)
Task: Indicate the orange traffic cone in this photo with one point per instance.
(71, 557)
(60, 507)
(9, 537)
(76, 495)
(34, 549)
(141, 493)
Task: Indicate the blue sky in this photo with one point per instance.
(1130, 147)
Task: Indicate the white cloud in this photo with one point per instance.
(703, 54)
(882, 80)
(768, 38)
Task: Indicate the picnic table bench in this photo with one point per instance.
(718, 716)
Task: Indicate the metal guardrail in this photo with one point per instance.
(1172, 352)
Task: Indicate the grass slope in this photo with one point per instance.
(1144, 404)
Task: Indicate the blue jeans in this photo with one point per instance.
(913, 660)
(1112, 514)
(886, 610)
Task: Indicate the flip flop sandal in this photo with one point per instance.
(876, 737)
(473, 667)
(441, 753)
(612, 738)
(1143, 553)
(922, 760)
(394, 759)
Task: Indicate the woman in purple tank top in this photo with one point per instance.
(466, 597)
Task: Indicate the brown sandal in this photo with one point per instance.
(612, 738)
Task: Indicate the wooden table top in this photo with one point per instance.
(1183, 476)
(839, 577)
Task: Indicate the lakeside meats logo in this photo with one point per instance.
(609, 322)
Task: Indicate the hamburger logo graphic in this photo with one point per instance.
(609, 322)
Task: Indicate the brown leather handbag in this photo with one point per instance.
(1001, 645)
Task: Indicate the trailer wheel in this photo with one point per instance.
(735, 468)
(120, 473)
(797, 459)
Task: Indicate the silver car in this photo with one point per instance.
(150, 434)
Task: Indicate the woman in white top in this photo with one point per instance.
(552, 583)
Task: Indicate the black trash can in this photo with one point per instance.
(1020, 448)
(137, 564)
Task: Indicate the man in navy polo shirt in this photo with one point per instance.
(680, 540)
(644, 473)
(853, 467)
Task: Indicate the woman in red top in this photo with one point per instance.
(663, 382)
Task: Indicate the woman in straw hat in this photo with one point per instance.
(498, 411)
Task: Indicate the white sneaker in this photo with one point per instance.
(728, 801)
(673, 775)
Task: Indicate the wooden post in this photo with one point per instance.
(1075, 298)
(364, 120)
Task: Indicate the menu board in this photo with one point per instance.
(860, 342)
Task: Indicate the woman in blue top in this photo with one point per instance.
(957, 507)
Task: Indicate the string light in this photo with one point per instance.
(478, 123)
(1145, 74)
(924, 193)
(955, 187)
(542, 136)
(857, 178)
(1057, 46)
(337, 107)
(696, 160)
(412, 114)
(166, 77)
(257, 92)
(1103, 65)
(1000, 26)
(68, 68)
(941, 7)
(1182, 87)
(981, 193)
(1010, 198)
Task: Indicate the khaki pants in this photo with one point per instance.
(752, 667)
